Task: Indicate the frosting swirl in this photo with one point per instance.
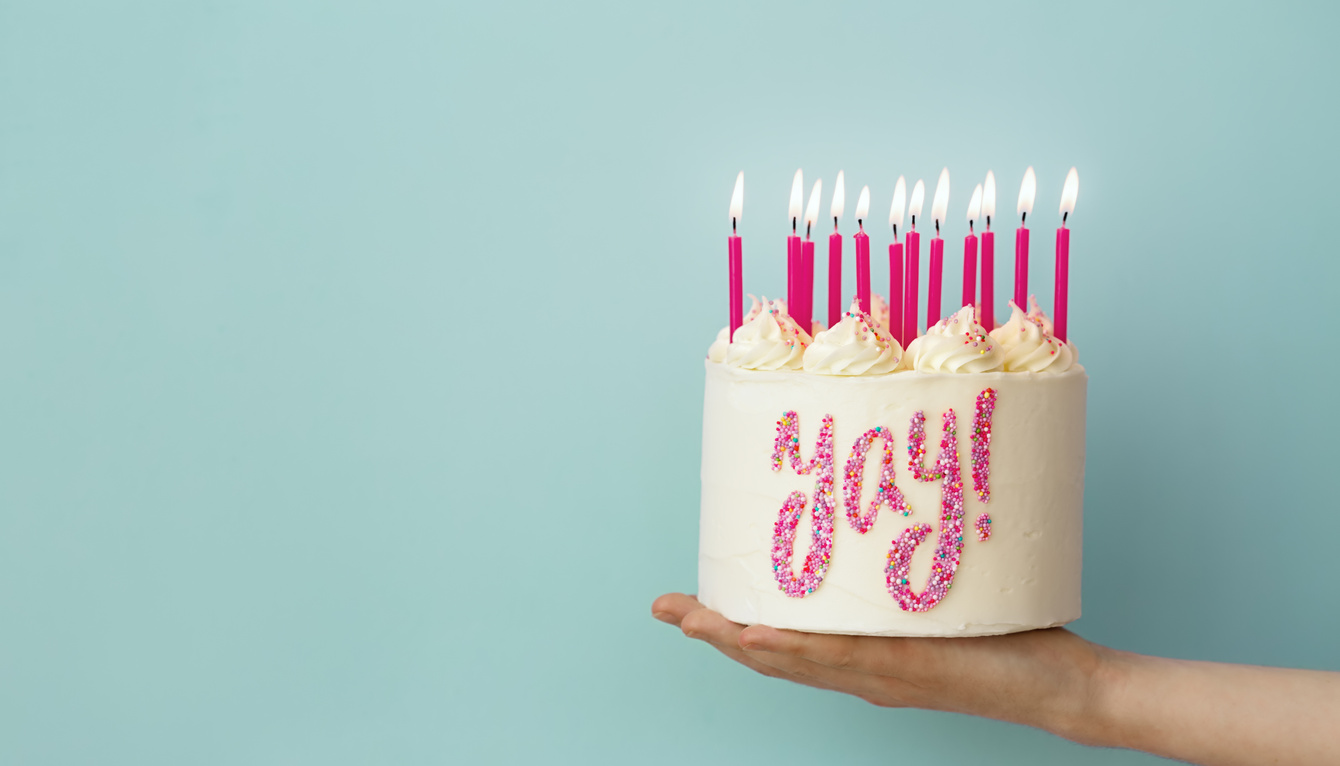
(857, 345)
(956, 344)
(717, 351)
(770, 341)
(1028, 343)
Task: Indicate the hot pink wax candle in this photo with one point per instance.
(804, 312)
(863, 270)
(934, 285)
(735, 257)
(988, 279)
(970, 268)
(896, 291)
(1062, 280)
(912, 259)
(1068, 194)
(792, 271)
(1021, 266)
(834, 276)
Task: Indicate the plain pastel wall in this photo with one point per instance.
(350, 354)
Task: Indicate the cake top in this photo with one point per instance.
(860, 344)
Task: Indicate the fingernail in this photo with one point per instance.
(753, 648)
(663, 616)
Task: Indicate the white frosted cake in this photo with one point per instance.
(849, 487)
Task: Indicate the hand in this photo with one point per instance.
(1042, 678)
(1204, 712)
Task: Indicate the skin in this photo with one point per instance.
(1202, 712)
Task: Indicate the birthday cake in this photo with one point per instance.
(849, 487)
(852, 486)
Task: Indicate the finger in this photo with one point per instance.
(880, 655)
(710, 627)
(672, 607)
(875, 689)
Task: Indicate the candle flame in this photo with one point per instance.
(863, 203)
(989, 195)
(918, 197)
(940, 205)
(975, 206)
(812, 209)
(797, 197)
(1027, 191)
(839, 198)
(899, 202)
(1069, 192)
(737, 198)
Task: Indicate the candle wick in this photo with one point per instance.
(732, 224)
(937, 227)
(835, 223)
(793, 227)
(1023, 218)
(914, 220)
(807, 229)
(895, 232)
(970, 226)
(860, 225)
(988, 223)
(1064, 216)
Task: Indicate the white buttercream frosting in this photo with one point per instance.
(1028, 343)
(879, 309)
(956, 344)
(770, 341)
(717, 351)
(857, 345)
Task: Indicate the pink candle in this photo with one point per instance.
(896, 291)
(970, 268)
(988, 278)
(804, 312)
(792, 271)
(834, 276)
(863, 270)
(1059, 310)
(1021, 266)
(933, 280)
(912, 258)
(735, 255)
(1027, 190)
(863, 252)
(1062, 279)
(988, 266)
(735, 258)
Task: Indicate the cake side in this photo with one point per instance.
(1024, 575)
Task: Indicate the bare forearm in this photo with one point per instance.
(1215, 714)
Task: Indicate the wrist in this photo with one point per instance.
(1093, 715)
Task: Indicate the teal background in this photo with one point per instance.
(350, 373)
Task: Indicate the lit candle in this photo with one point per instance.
(1068, 195)
(804, 311)
(735, 257)
(863, 251)
(793, 242)
(970, 251)
(835, 254)
(912, 258)
(1027, 190)
(896, 261)
(988, 269)
(934, 284)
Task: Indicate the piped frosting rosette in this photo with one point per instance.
(956, 344)
(1028, 343)
(770, 341)
(717, 351)
(857, 345)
